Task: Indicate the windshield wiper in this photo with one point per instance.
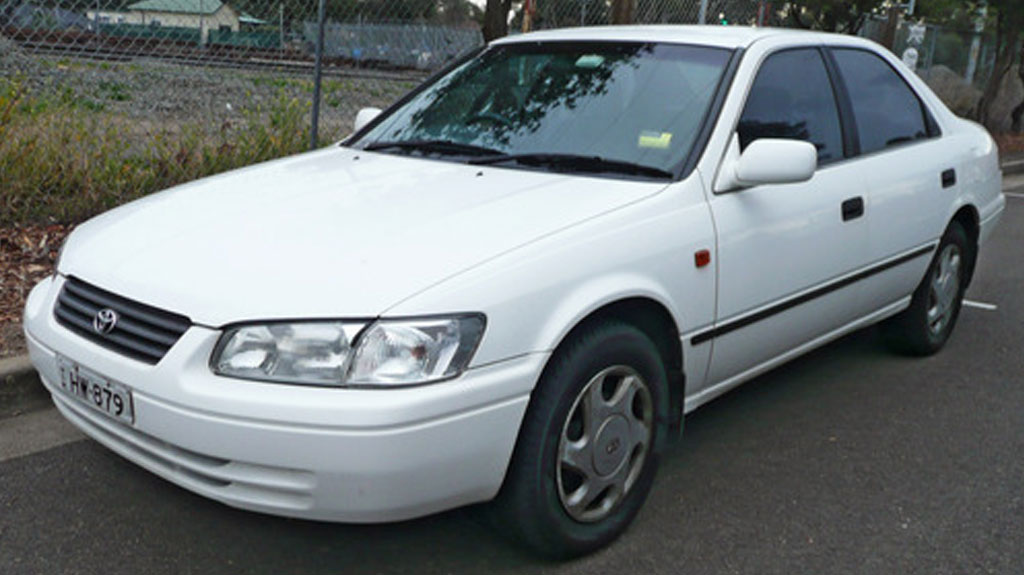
(445, 147)
(577, 163)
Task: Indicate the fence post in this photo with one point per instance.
(930, 58)
(703, 14)
(317, 73)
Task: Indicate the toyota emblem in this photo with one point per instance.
(104, 321)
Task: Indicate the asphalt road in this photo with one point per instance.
(849, 460)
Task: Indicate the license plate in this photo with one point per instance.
(100, 393)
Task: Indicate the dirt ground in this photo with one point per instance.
(27, 255)
(1010, 143)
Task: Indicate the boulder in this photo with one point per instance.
(1011, 93)
(959, 95)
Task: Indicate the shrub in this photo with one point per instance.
(63, 160)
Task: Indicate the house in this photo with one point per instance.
(202, 15)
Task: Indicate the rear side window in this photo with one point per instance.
(887, 112)
(792, 98)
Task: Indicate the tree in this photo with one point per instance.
(1018, 110)
(831, 15)
(496, 19)
(1009, 18)
(622, 11)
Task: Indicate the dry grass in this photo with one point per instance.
(62, 162)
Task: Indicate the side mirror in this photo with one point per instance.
(767, 161)
(364, 117)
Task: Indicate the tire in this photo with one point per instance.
(589, 445)
(924, 327)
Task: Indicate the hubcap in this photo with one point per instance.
(944, 289)
(604, 443)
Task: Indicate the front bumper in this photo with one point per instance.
(319, 453)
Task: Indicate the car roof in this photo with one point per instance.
(718, 36)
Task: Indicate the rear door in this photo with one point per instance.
(908, 170)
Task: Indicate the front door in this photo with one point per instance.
(784, 250)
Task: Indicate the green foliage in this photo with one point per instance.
(62, 160)
(115, 91)
(832, 15)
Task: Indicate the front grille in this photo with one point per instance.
(141, 332)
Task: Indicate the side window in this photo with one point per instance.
(886, 110)
(792, 98)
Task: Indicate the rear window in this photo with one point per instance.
(886, 110)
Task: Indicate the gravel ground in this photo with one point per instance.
(149, 91)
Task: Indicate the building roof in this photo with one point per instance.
(246, 18)
(177, 6)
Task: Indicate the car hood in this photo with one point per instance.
(333, 233)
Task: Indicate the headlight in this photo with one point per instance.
(415, 351)
(308, 352)
(387, 353)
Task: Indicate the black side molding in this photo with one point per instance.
(784, 305)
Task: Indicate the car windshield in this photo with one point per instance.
(613, 107)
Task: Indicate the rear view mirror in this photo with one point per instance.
(767, 161)
(364, 117)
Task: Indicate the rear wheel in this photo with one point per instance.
(924, 327)
(588, 448)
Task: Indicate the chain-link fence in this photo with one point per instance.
(105, 100)
(566, 13)
(956, 63)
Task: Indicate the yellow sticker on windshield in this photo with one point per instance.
(659, 140)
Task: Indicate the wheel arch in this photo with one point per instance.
(968, 218)
(655, 320)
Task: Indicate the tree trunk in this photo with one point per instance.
(1018, 110)
(793, 13)
(622, 11)
(891, 25)
(496, 19)
(1006, 42)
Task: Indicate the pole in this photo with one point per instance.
(280, 26)
(931, 51)
(972, 58)
(317, 74)
(702, 15)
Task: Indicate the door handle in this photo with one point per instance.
(949, 178)
(853, 208)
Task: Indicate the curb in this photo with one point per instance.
(1012, 166)
(20, 389)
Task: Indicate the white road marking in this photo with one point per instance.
(981, 305)
(33, 432)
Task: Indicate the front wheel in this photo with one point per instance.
(924, 327)
(588, 449)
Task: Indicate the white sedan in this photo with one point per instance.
(516, 281)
